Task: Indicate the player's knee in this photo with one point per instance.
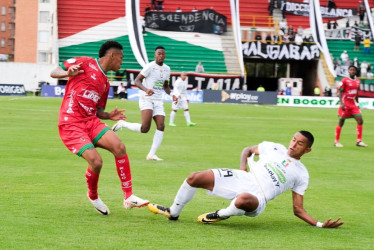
(145, 129)
(246, 202)
(161, 127)
(119, 150)
(194, 179)
(96, 164)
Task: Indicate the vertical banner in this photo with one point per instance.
(370, 19)
(135, 32)
(235, 19)
(315, 19)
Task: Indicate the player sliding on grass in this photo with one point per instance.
(277, 170)
(79, 122)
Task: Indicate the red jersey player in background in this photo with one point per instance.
(79, 124)
(348, 97)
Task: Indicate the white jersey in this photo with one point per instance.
(155, 76)
(277, 172)
(180, 88)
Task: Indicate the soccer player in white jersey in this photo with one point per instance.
(153, 78)
(277, 170)
(180, 100)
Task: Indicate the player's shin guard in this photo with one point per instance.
(338, 129)
(359, 133)
(92, 180)
(157, 139)
(184, 195)
(172, 116)
(124, 174)
(231, 210)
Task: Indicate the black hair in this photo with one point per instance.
(107, 46)
(352, 66)
(309, 136)
(159, 47)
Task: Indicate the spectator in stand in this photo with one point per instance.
(357, 41)
(356, 63)
(121, 91)
(369, 75)
(268, 39)
(199, 68)
(348, 62)
(298, 39)
(331, 5)
(283, 24)
(300, 31)
(153, 5)
(271, 7)
(355, 24)
(160, 6)
(364, 68)
(179, 9)
(347, 25)
(194, 9)
(147, 10)
(361, 12)
(277, 39)
(335, 25)
(291, 38)
(288, 88)
(369, 67)
(344, 56)
(366, 45)
(291, 31)
(329, 25)
(258, 36)
(286, 38)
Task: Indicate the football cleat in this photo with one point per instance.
(172, 124)
(210, 218)
(191, 124)
(338, 145)
(134, 201)
(153, 158)
(361, 144)
(99, 205)
(158, 209)
(118, 126)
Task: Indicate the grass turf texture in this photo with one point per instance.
(43, 190)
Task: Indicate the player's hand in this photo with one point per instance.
(75, 70)
(332, 224)
(244, 168)
(149, 92)
(175, 99)
(117, 114)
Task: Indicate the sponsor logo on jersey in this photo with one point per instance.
(91, 95)
(158, 84)
(88, 109)
(93, 76)
(286, 162)
(71, 60)
(275, 174)
(92, 66)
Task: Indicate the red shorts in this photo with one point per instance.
(349, 112)
(80, 136)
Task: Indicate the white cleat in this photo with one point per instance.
(361, 144)
(134, 201)
(153, 158)
(119, 125)
(99, 205)
(338, 145)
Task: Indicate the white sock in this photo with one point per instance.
(231, 210)
(187, 116)
(132, 126)
(157, 139)
(184, 195)
(172, 116)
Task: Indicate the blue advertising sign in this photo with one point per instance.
(12, 89)
(59, 91)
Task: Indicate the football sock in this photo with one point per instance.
(92, 180)
(187, 116)
(157, 139)
(124, 174)
(231, 210)
(133, 126)
(359, 133)
(184, 195)
(172, 116)
(338, 129)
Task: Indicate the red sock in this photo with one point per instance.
(338, 129)
(359, 133)
(124, 174)
(92, 181)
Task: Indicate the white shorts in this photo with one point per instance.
(181, 104)
(229, 183)
(156, 106)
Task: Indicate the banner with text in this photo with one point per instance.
(204, 21)
(59, 91)
(347, 33)
(319, 102)
(285, 51)
(303, 9)
(12, 89)
(243, 97)
(200, 81)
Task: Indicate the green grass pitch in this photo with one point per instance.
(43, 190)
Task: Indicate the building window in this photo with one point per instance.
(42, 56)
(44, 17)
(10, 42)
(2, 42)
(2, 26)
(3, 10)
(43, 36)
